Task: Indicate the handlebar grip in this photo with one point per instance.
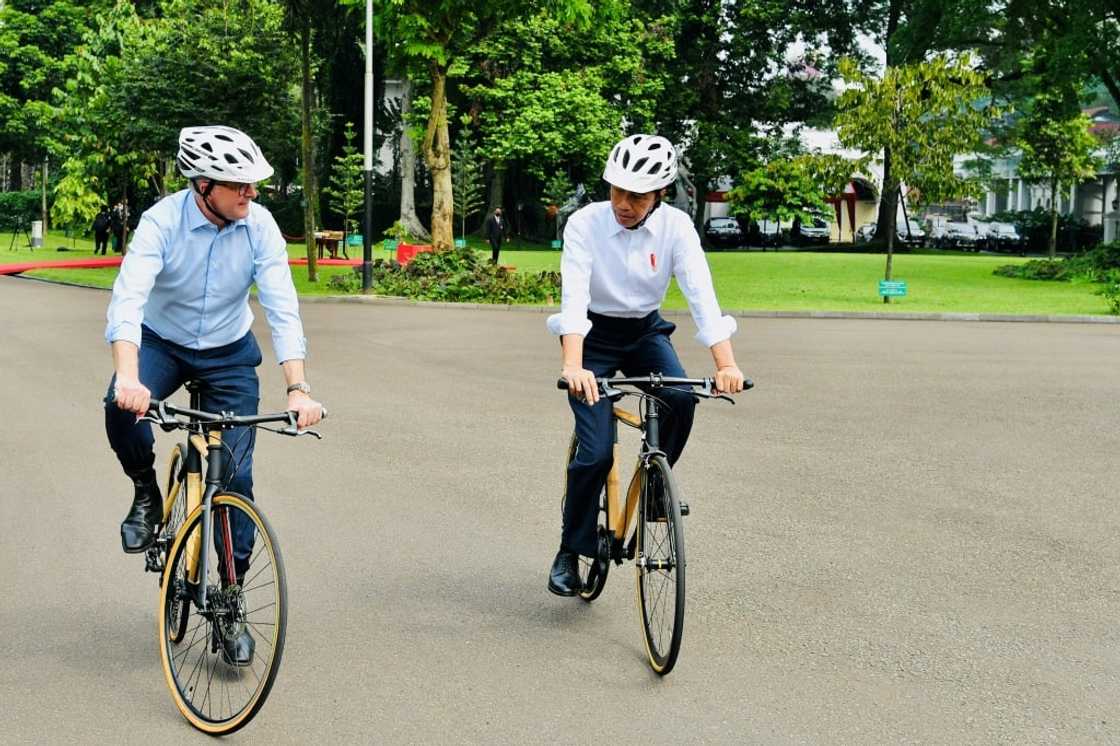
(748, 384)
(562, 384)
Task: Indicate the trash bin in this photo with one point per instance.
(36, 234)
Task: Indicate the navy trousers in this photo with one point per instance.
(635, 347)
(232, 386)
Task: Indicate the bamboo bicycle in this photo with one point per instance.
(206, 592)
(645, 525)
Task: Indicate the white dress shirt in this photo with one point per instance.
(613, 271)
(189, 282)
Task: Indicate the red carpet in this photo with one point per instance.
(114, 261)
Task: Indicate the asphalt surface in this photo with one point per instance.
(907, 533)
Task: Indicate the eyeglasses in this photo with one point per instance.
(233, 186)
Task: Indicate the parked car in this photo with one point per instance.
(812, 232)
(1002, 237)
(916, 237)
(911, 235)
(723, 233)
(956, 235)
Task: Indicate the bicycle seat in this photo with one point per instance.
(196, 386)
(628, 418)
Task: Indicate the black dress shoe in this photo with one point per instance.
(237, 649)
(139, 526)
(563, 578)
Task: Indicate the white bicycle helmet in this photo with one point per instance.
(221, 154)
(642, 163)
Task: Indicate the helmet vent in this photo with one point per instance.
(247, 154)
(639, 163)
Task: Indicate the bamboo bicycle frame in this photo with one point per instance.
(201, 449)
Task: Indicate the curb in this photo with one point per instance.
(384, 300)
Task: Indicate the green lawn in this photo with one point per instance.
(772, 281)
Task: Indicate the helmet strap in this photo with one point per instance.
(656, 204)
(205, 194)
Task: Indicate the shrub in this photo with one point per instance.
(1036, 269)
(457, 276)
(17, 207)
(1111, 290)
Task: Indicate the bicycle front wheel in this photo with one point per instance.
(216, 687)
(660, 564)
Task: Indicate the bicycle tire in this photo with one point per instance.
(175, 508)
(207, 662)
(660, 563)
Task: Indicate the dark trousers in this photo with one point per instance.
(100, 243)
(636, 347)
(495, 249)
(232, 385)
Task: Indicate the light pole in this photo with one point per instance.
(367, 247)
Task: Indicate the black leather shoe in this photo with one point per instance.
(563, 578)
(237, 649)
(139, 526)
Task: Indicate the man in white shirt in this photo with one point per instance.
(618, 259)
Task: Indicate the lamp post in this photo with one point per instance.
(367, 230)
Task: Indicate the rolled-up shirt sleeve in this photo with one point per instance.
(695, 281)
(277, 293)
(142, 263)
(575, 279)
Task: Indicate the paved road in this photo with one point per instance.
(906, 533)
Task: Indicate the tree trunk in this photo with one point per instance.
(437, 154)
(890, 228)
(309, 190)
(409, 219)
(1053, 218)
(46, 217)
(15, 182)
(497, 186)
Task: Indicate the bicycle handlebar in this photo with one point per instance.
(165, 414)
(656, 380)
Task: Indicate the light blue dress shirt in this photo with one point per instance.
(189, 282)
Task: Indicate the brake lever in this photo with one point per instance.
(296, 432)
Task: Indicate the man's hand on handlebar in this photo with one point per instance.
(132, 396)
(729, 379)
(581, 384)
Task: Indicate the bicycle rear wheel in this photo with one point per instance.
(660, 563)
(593, 571)
(213, 694)
(175, 509)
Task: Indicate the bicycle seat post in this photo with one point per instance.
(195, 388)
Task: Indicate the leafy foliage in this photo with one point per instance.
(467, 181)
(790, 188)
(456, 275)
(346, 188)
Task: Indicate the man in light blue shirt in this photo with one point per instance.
(180, 312)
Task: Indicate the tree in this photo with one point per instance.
(923, 115)
(346, 189)
(467, 182)
(437, 34)
(549, 96)
(1057, 149)
(408, 217)
(789, 189)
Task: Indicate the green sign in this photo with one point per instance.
(389, 244)
(460, 243)
(354, 239)
(557, 243)
(892, 287)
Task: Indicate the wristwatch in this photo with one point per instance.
(302, 386)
